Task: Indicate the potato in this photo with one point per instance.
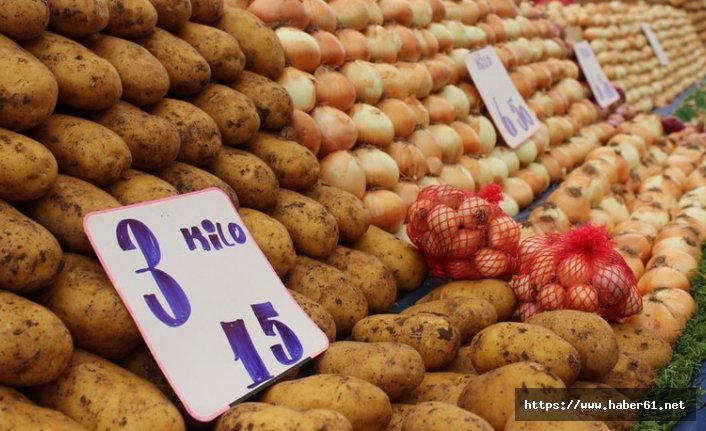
(440, 416)
(440, 386)
(272, 238)
(295, 166)
(186, 178)
(254, 182)
(85, 80)
(433, 336)
(263, 51)
(135, 187)
(31, 257)
(266, 417)
(395, 368)
(78, 18)
(273, 102)
(28, 89)
(198, 132)
(19, 413)
(145, 81)
(84, 149)
(332, 289)
(63, 208)
(313, 229)
(351, 214)
(188, 72)
(469, 315)
(399, 413)
(366, 406)
(367, 272)
(585, 424)
(35, 346)
(643, 343)
(84, 299)
(462, 362)
(492, 395)
(27, 168)
(497, 292)
(590, 335)
(131, 19)
(631, 375)
(406, 263)
(23, 19)
(100, 395)
(221, 50)
(153, 141)
(206, 11)
(172, 14)
(234, 113)
(509, 342)
(317, 313)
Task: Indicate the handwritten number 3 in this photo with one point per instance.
(149, 247)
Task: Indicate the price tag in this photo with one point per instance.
(602, 89)
(212, 310)
(654, 43)
(508, 109)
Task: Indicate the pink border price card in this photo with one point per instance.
(602, 89)
(510, 113)
(212, 310)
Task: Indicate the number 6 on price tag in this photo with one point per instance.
(508, 109)
(214, 314)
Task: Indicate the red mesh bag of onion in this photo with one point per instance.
(578, 270)
(464, 235)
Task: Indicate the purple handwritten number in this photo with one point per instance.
(172, 291)
(507, 122)
(245, 351)
(265, 314)
(523, 116)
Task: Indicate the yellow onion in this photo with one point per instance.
(443, 36)
(355, 44)
(398, 11)
(509, 205)
(519, 190)
(457, 98)
(375, 12)
(333, 89)
(409, 49)
(450, 65)
(498, 169)
(479, 170)
(509, 157)
(458, 55)
(600, 217)
(300, 86)
(429, 181)
(675, 259)
(387, 210)
(420, 111)
(440, 110)
(548, 213)
(380, 169)
(365, 79)
(449, 141)
(323, 17)
(616, 208)
(421, 13)
(303, 130)
(417, 77)
(426, 142)
(408, 191)
(469, 137)
(402, 116)
(374, 127)
(486, 132)
(353, 14)
(275, 13)
(439, 71)
(338, 131)
(456, 175)
(428, 44)
(662, 277)
(573, 201)
(536, 178)
(340, 169)
(384, 43)
(686, 245)
(300, 49)
(333, 53)
(393, 83)
(410, 159)
(636, 243)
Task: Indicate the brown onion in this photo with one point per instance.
(333, 89)
(300, 87)
(384, 44)
(277, 13)
(398, 11)
(300, 49)
(393, 83)
(365, 79)
(456, 175)
(440, 110)
(380, 169)
(402, 116)
(304, 130)
(409, 158)
(333, 53)
(340, 169)
(355, 44)
(353, 14)
(338, 131)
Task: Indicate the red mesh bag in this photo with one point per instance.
(464, 235)
(578, 270)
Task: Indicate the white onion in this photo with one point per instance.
(527, 152)
(338, 131)
(340, 169)
(380, 169)
(449, 141)
(300, 86)
(374, 127)
(366, 80)
(486, 132)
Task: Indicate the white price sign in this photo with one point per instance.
(602, 89)
(508, 109)
(210, 307)
(654, 43)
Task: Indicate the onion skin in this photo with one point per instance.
(353, 14)
(374, 127)
(402, 116)
(300, 48)
(387, 210)
(340, 169)
(303, 130)
(333, 53)
(323, 17)
(365, 79)
(355, 44)
(398, 11)
(278, 13)
(338, 131)
(333, 89)
(300, 87)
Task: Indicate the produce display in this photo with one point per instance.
(362, 160)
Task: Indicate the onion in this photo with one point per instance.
(355, 44)
(333, 89)
(398, 11)
(435, 166)
(635, 242)
(518, 190)
(477, 36)
(470, 12)
(662, 277)
(338, 131)
(393, 83)
(374, 127)
(387, 210)
(675, 259)
(682, 244)
(509, 206)
(365, 79)
(443, 36)
(421, 13)
(535, 180)
(340, 169)
(323, 17)
(509, 157)
(304, 130)
(440, 73)
(458, 56)
(427, 42)
(573, 201)
(457, 98)
(680, 231)
(469, 137)
(549, 214)
(527, 152)
(449, 141)
(461, 38)
(409, 48)
(376, 17)
(486, 132)
(277, 13)
(426, 142)
(451, 66)
(616, 208)
(440, 110)
(418, 78)
(453, 11)
(456, 175)
(429, 181)
(420, 111)
(408, 191)
(384, 44)
(410, 159)
(353, 14)
(438, 11)
(474, 99)
(300, 48)
(402, 116)
(498, 169)
(600, 217)
(300, 86)
(333, 53)
(479, 170)
(489, 32)
(380, 169)
(554, 169)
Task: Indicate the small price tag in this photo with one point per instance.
(654, 43)
(508, 109)
(210, 307)
(602, 89)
